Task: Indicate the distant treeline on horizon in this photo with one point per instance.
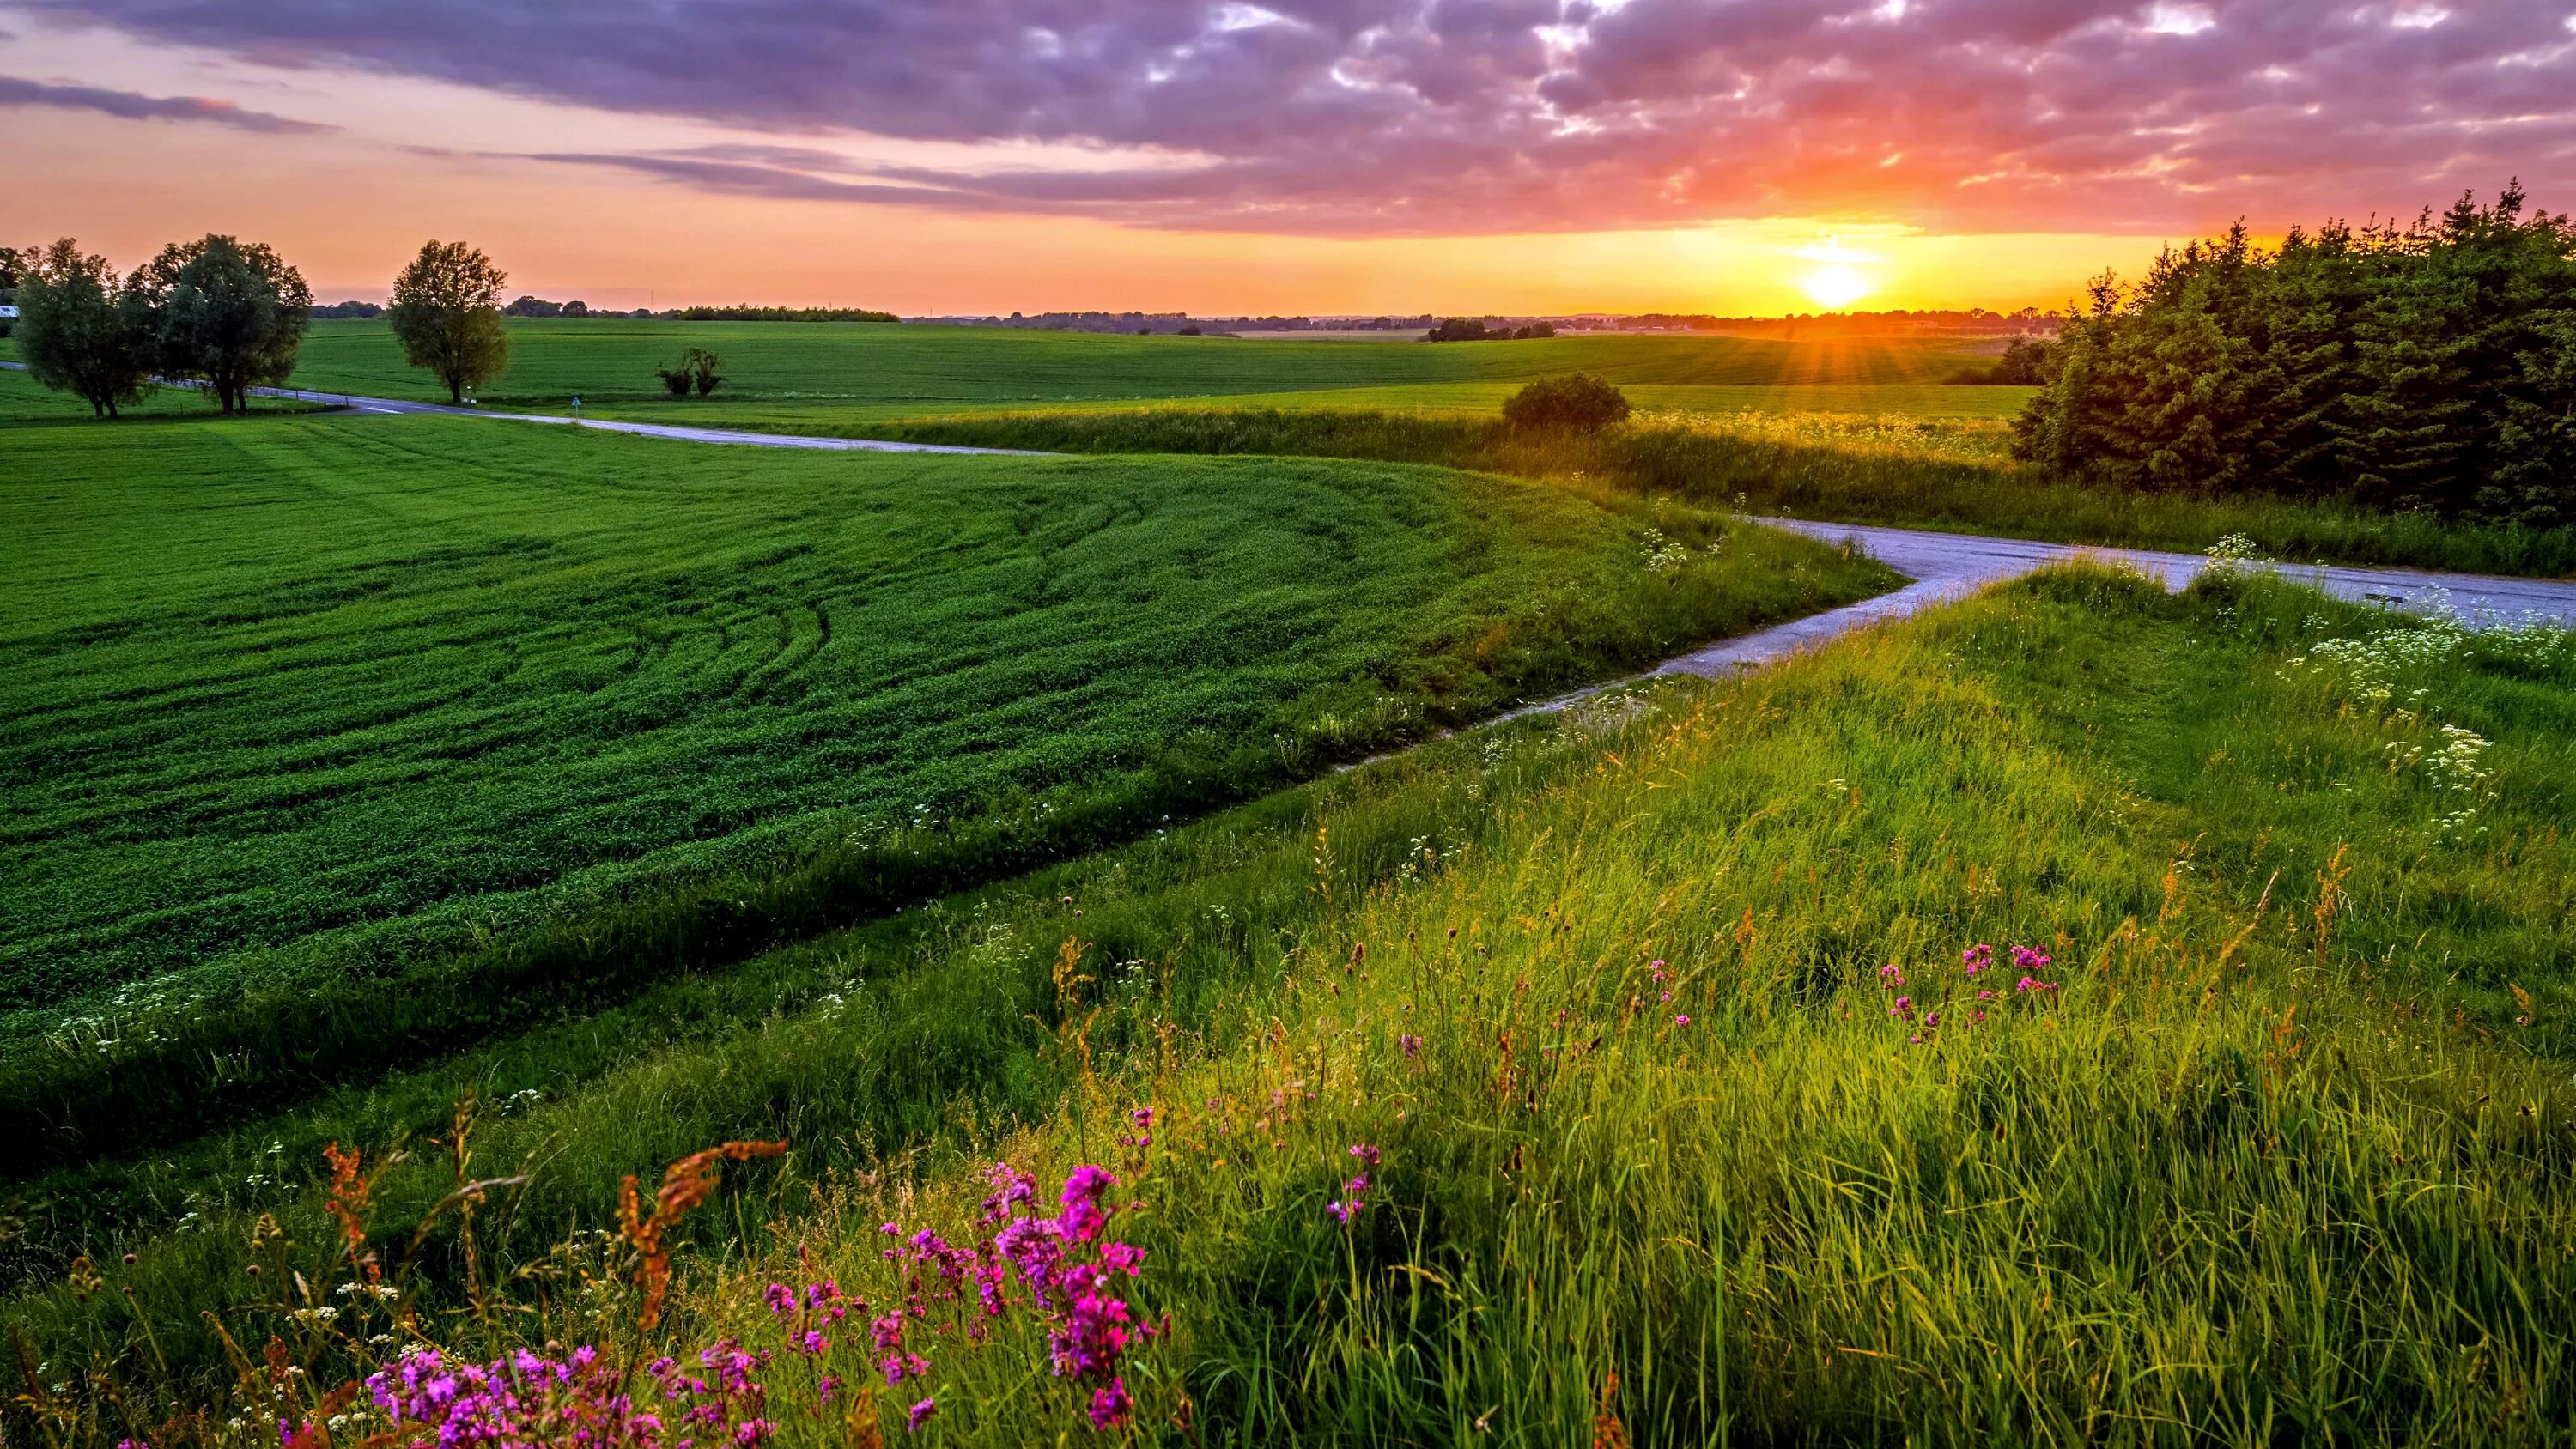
(1969, 322)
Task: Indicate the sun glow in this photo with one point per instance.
(1835, 287)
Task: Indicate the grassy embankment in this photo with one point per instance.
(336, 747)
(24, 404)
(2286, 1152)
(1851, 432)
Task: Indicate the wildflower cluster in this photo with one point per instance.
(1355, 1192)
(1066, 1268)
(1924, 1020)
(525, 1398)
(1663, 555)
(2233, 552)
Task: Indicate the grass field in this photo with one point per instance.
(320, 730)
(1919, 472)
(528, 809)
(2277, 1148)
(943, 367)
(24, 404)
(1851, 432)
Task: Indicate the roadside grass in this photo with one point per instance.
(338, 746)
(1947, 474)
(2280, 1149)
(24, 404)
(604, 361)
(1981, 412)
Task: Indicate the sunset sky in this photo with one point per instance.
(1735, 156)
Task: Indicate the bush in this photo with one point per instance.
(696, 371)
(1575, 403)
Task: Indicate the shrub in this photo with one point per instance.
(696, 372)
(1575, 403)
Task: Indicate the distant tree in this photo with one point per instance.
(1572, 403)
(576, 309)
(1458, 329)
(526, 306)
(447, 316)
(2027, 362)
(675, 380)
(344, 311)
(227, 312)
(1193, 330)
(78, 331)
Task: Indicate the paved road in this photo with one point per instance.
(383, 405)
(1946, 566)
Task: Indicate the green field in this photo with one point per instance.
(24, 404)
(939, 368)
(528, 808)
(295, 706)
(2284, 1153)
(1862, 432)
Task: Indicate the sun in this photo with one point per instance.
(1834, 287)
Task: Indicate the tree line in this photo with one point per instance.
(2426, 367)
(229, 315)
(220, 312)
(1473, 329)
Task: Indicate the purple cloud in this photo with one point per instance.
(1429, 116)
(134, 106)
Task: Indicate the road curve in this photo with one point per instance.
(1946, 566)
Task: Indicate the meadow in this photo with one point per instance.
(1846, 431)
(2076, 1014)
(24, 404)
(869, 364)
(322, 732)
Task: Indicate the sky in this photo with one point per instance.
(1746, 157)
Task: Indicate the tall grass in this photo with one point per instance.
(2284, 1155)
(1943, 475)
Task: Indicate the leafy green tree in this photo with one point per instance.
(1572, 403)
(447, 314)
(79, 331)
(228, 312)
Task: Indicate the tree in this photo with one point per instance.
(447, 315)
(1574, 403)
(229, 312)
(78, 331)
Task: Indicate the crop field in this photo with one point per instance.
(939, 368)
(2078, 1013)
(1861, 432)
(2260, 1100)
(294, 706)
